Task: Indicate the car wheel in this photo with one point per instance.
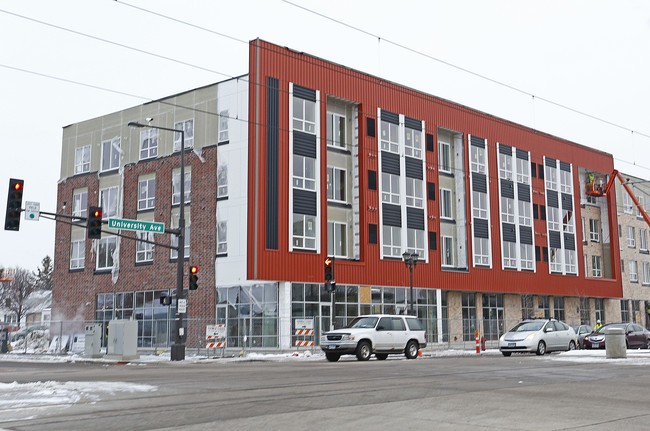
(572, 345)
(541, 348)
(506, 354)
(332, 357)
(363, 351)
(647, 344)
(381, 356)
(411, 350)
(627, 345)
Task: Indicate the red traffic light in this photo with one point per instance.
(97, 214)
(18, 186)
(194, 269)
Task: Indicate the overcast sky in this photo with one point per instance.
(58, 61)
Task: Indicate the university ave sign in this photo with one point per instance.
(137, 225)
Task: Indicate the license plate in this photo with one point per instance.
(332, 346)
(512, 344)
(595, 345)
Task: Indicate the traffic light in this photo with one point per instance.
(165, 299)
(329, 269)
(194, 278)
(94, 222)
(14, 202)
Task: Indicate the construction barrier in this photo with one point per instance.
(304, 333)
(478, 342)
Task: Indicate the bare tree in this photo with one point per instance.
(14, 293)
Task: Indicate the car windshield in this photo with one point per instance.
(602, 329)
(363, 322)
(528, 326)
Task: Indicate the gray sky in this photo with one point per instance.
(589, 56)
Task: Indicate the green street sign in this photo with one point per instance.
(138, 225)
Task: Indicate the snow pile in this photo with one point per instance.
(37, 342)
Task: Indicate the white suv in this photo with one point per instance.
(381, 334)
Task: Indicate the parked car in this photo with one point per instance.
(636, 336)
(582, 331)
(377, 334)
(539, 336)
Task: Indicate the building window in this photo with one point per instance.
(108, 202)
(524, 213)
(477, 159)
(481, 251)
(479, 205)
(555, 259)
(527, 256)
(631, 238)
(628, 203)
(304, 115)
(80, 204)
(389, 137)
(336, 185)
(337, 239)
(415, 242)
(527, 307)
(553, 218)
(82, 160)
(188, 127)
(505, 166)
(543, 306)
(389, 188)
(224, 134)
(468, 307)
(222, 181)
(584, 235)
(558, 307)
(222, 237)
(599, 305)
(148, 143)
(144, 250)
(567, 221)
(146, 194)
(447, 250)
(336, 130)
(304, 172)
(645, 267)
(186, 248)
(594, 230)
(111, 154)
(105, 250)
(565, 182)
(643, 240)
(507, 210)
(304, 231)
(570, 262)
(551, 178)
(625, 311)
(77, 254)
(176, 187)
(638, 209)
(444, 157)
(523, 171)
(412, 143)
(634, 277)
(392, 241)
(446, 209)
(509, 255)
(596, 269)
(414, 193)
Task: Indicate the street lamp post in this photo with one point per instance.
(410, 260)
(178, 348)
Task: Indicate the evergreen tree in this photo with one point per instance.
(44, 274)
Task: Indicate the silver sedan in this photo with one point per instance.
(539, 336)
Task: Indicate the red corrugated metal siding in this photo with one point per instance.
(371, 93)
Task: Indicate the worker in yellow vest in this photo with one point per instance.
(598, 325)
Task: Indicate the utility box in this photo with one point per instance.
(4, 339)
(123, 339)
(93, 340)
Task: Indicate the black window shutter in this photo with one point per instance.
(372, 180)
(430, 146)
(431, 191)
(545, 250)
(533, 169)
(433, 243)
(538, 256)
(541, 171)
(372, 234)
(542, 212)
(535, 211)
(370, 125)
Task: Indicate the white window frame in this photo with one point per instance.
(596, 267)
(481, 251)
(570, 264)
(224, 126)
(303, 118)
(628, 203)
(415, 242)
(553, 218)
(555, 259)
(337, 239)
(80, 204)
(527, 256)
(335, 136)
(82, 159)
(148, 143)
(222, 237)
(643, 240)
(509, 254)
(645, 267)
(507, 210)
(634, 275)
(444, 157)
(523, 213)
(584, 233)
(638, 209)
(391, 241)
(567, 221)
(147, 194)
(412, 143)
(304, 173)
(108, 244)
(222, 181)
(594, 230)
(108, 196)
(505, 166)
(306, 238)
(523, 170)
(631, 237)
(550, 177)
(336, 176)
(390, 137)
(479, 205)
(186, 248)
(77, 253)
(143, 250)
(447, 248)
(566, 183)
(110, 149)
(176, 187)
(390, 191)
(414, 193)
(188, 127)
(446, 204)
(477, 159)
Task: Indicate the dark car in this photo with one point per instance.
(582, 331)
(636, 337)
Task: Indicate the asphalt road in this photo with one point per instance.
(485, 393)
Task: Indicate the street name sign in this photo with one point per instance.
(138, 225)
